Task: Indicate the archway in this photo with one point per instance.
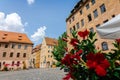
(48, 64)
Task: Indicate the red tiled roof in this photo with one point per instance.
(51, 41)
(6, 36)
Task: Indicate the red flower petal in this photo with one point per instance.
(100, 71)
(68, 76)
(99, 57)
(74, 42)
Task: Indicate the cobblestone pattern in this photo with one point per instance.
(33, 74)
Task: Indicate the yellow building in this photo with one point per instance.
(91, 14)
(15, 50)
(36, 56)
(46, 56)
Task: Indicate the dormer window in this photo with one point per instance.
(5, 34)
(20, 36)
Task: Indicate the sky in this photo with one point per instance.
(36, 18)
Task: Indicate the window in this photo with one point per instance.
(91, 29)
(25, 47)
(48, 51)
(77, 25)
(70, 30)
(102, 8)
(13, 63)
(18, 54)
(97, 25)
(93, 2)
(70, 21)
(73, 18)
(13, 45)
(49, 46)
(0, 65)
(95, 13)
(24, 55)
(3, 63)
(87, 6)
(19, 46)
(105, 21)
(4, 54)
(89, 17)
(81, 12)
(82, 22)
(74, 28)
(113, 16)
(11, 54)
(104, 46)
(5, 34)
(6, 45)
(18, 63)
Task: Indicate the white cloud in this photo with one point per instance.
(40, 33)
(30, 1)
(11, 22)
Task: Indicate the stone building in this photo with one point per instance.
(35, 56)
(15, 50)
(91, 14)
(46, 56)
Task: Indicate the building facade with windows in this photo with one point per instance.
(46, 57)
(91, 14)
(35, 56)
(15, 50)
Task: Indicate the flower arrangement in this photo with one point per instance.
(85, 62)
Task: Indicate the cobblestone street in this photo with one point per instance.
(33, 74)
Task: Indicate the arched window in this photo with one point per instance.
(24, 55)
(104, 46)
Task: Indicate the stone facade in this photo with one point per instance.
(15, 50)
(91, 14)
(46, 56)
(35, 56)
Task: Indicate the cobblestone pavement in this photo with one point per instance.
(33, 74)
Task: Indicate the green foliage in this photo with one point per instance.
(59, 50)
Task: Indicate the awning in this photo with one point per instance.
(111, 29)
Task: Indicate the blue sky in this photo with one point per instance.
(36, 18)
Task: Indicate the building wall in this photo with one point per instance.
(37, 64)
(46, 57)
(112, 9)
(24, 61)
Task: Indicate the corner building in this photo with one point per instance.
(15, 50)
(91, 14)
(46, 57)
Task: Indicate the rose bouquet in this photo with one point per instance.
(85, 62)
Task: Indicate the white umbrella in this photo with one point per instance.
(111, 29)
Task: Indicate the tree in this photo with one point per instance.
(60, 49)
